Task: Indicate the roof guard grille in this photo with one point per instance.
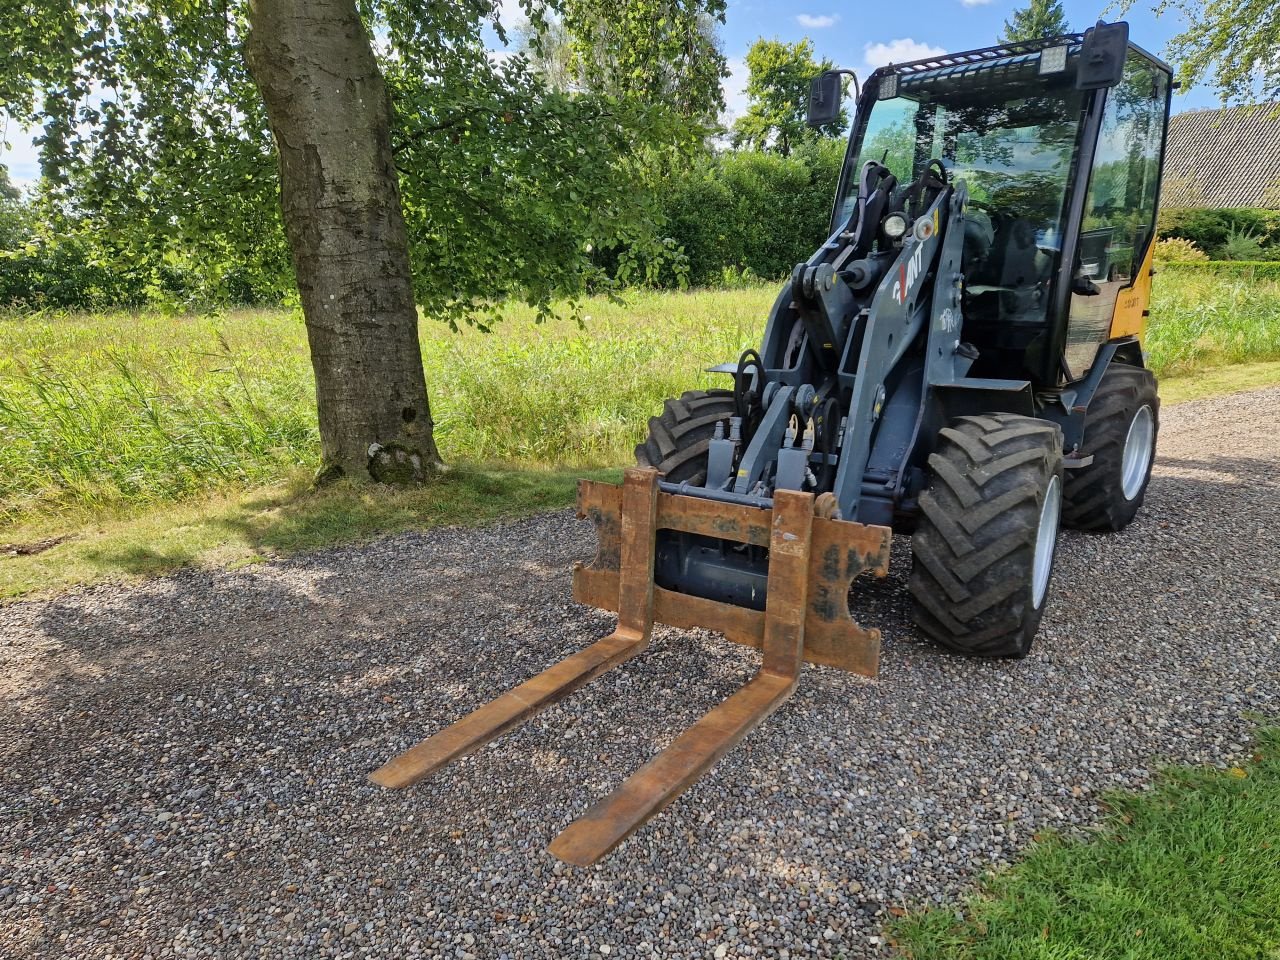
(998, 52)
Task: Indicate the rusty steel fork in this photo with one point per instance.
(672, 771)
(635, 627)
(806, 590)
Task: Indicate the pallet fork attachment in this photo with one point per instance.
(812, 562)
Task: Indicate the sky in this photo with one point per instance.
(864, 35)
(857, 34)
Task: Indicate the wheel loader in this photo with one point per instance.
(960, 361)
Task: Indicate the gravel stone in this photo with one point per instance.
(183, 762)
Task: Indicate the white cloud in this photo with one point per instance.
(22, 159)
(817, 21)
(735, 89)
(510, 14)
(902, 50)
(975, 3)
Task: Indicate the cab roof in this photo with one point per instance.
(1001, 57)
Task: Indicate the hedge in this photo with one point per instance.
(1231, 269)
(753, 213)
(1209, 229)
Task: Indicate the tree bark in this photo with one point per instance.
(330, 114)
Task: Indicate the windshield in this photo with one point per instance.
(1014, 153)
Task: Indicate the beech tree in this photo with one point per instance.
(1233, 44)
(411, 166)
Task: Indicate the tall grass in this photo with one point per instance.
(105, 410)
(102, 410)
(1200, 321)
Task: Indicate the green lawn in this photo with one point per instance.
(120, 409)
(1187, 871)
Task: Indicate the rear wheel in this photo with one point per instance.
(678, 440)
(983, 547)
(1120, 434)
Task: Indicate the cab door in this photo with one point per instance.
(1111, 281)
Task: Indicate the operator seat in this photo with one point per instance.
(1005, 292)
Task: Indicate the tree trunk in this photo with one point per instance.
(330, 114)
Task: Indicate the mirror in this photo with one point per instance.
(824, 98)
(1102, 56)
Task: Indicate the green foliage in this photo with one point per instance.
(154, 148)
(756, 212)
(1037, 20)
(157, 156)
(778, 90)
(1241, 245)
(8, 192)
(1268, 270)
(1185, 871)
(1211, 229)
(552, 195)
(41, 267)
(1178, 250)
(653, 51)
(1233, 43)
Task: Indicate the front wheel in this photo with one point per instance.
(983, 547)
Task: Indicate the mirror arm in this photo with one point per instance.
(857, 87)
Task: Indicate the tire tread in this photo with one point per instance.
(974, 543)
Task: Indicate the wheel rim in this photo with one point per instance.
(1138, 447)
(1046, 540)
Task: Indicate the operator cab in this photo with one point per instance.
(1014, 126)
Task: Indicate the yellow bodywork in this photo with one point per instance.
(1133, 303)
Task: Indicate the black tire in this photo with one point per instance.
(974, 546)
(1094, 497)
(678, 440)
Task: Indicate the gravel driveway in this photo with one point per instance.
(182, 763)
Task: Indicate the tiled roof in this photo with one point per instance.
(1223, 158)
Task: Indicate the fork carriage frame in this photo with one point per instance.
(812, 563)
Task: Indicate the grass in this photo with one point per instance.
(1200, 322)
(121, 409)
(156, 440)
(1216, 381)
(1186, 871)
(238, 528)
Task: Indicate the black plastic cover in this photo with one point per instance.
(1102, 56)
(825, 94)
